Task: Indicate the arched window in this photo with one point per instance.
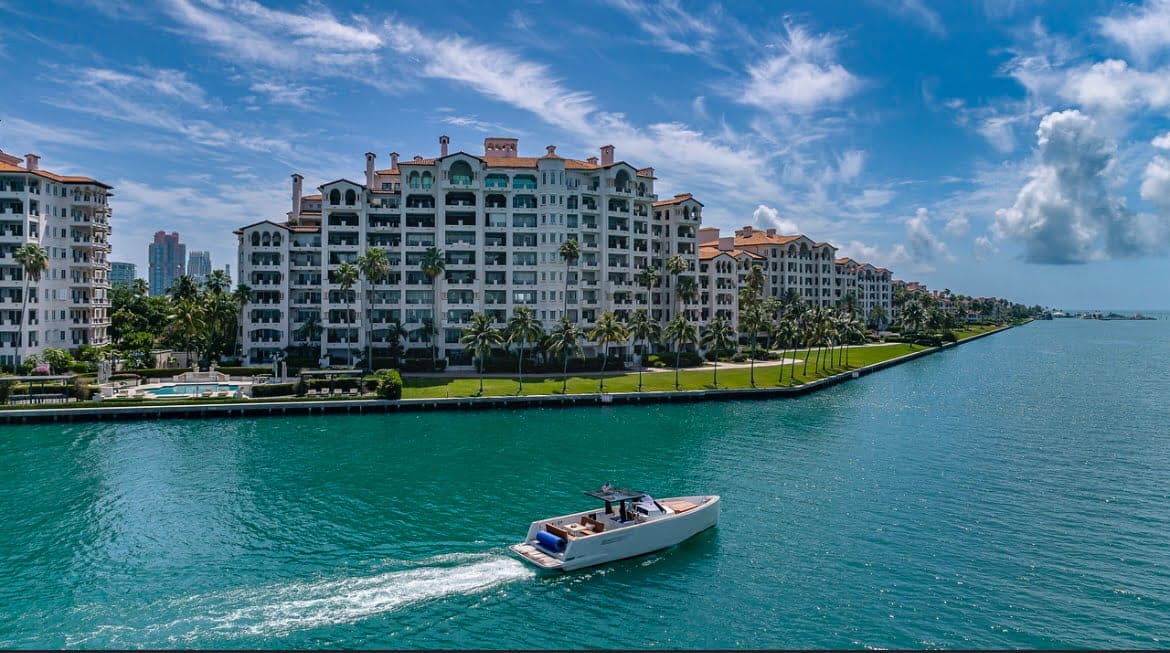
(641, 188)
(350, 197)
(686, 213)
(255, 239)
(460, 173)
(266, 239)
(335, 197)
(427, 179)
(276, 240)
(414, 179)
(622, 181)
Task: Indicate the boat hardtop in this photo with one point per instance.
(637, 524)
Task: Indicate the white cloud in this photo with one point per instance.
(294, 95)
(1156, 183)
(806, 77)
(1065, 213)
(984, 248)
(850, 164)
(882, 257)
(917, 11)
(1111, 86)
(1162, 142)
(472, 122)
(924, 245)
(1144, 30)
(871, 198)
(671, 27)
(766, 217)
(958, 226)
(247, 31)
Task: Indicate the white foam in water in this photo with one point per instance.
(279, 609)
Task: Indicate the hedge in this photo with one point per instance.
(685, 359)
(274, 389)
(389, 384)
(423, 365)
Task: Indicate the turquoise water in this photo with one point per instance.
(192, 388)
(1011, 492)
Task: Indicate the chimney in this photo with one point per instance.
(708, 235)
(727, 243)
(747, 231)
(606, 155)
(771, 233)
(295, 216)
(552, 150)
(444, 141)
(393, 160)
(31, 161)
(370, 156)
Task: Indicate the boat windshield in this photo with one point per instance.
(607, 493)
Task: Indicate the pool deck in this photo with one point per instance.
(257, 408)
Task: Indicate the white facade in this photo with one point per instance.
(69, 217)
(499, 219)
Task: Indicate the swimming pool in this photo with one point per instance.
(191, 389)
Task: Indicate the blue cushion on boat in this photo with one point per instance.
(549, 541)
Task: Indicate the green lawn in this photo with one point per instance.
(689, 379)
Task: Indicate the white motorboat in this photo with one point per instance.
(633, 523)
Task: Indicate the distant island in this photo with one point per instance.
(1098, 315)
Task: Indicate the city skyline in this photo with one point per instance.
(957, 176)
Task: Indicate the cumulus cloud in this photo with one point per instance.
(1156, 183)
(883, 257)
(958, 225)
(1065, 213)
(766, 217)
(923, 243)
(804, 78)
(1112, 86)
(1162, 142)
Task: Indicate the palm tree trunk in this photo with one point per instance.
(807, 351)
(715, 374)
(520, 367)
(642, 362)
(565, 308)
(24, 326)
(565, 374)
(604, 360)
(434, 322)
(753, 364)
(677, 356)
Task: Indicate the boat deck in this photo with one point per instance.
(536, 556)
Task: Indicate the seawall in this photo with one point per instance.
(363, 406)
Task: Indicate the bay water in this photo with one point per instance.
(1011, 492)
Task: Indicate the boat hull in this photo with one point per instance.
(622, 543)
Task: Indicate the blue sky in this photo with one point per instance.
(1011, 147)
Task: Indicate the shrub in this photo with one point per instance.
(949, 336)
(423, 365)
(685, 359)
(244, 371)
(389, 384)
(274, 389)
(82, 367)
(5, 391)
(739, 358)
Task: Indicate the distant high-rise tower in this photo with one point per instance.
(168, 261)
(199, 266)
(122, 275)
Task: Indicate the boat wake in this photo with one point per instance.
(276, 610)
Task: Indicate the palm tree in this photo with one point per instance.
(309, 331)
(648, 278)
(680, 332)
(564, 338)
(375, 268)
(187, 325)
(877, 316)
(218, 282)
(913, 317)
(570, 251)
(850, 303)
(752, 320)
(718, 335)
(33, 260)
(433, 264)
(645, 329)
(242, 296)
(346, 276)
(479, 337)
(184, 287)
(522, 328)
(608, 330)
(807, 334)
(676, 265)
(855, 331)
(688, 291)
(395, 332)
(785, 331)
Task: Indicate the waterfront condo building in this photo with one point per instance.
(69, 217)
(168, 261)
(499, 219)
(199, 266)
(792, 264)
(122, 275)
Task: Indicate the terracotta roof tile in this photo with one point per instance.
(52, 176)
(678, 199)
